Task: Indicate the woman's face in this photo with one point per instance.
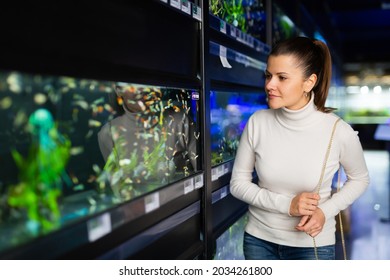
(285, 84)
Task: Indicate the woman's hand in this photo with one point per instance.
(304, 204)
(313, 224)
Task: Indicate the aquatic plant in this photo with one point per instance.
(130, 173)
(216, 7)
(41, 173)
(234, 14)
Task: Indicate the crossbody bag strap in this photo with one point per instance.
(318, 187)
(341, 218)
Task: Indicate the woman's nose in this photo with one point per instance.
(269, 84)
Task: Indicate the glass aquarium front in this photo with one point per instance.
(282, 26)
(229, 112)
(229, 244)
(247, 15)
(71, 148)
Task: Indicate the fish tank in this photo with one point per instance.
(282, 26)
(71, 148)
(229, 112)
(248, 16)
(229, 245)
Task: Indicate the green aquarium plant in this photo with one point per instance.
(234, 14)
(216, 8)
(41, 173)
(132, 176)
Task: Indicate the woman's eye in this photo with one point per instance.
(268, 76)
(282, 78)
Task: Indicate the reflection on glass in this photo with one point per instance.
(247, 15)
(151, 142)
(70, 148)
(282, 26)
(229, 113)
(229, 244)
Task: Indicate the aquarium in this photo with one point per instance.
(229, 245)
(247, 16)
(72, 147)
(229, 112)
(282, 26)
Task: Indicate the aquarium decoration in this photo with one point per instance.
(42, 173)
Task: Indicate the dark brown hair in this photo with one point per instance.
(313, 56)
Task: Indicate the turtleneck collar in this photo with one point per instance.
(299, 119)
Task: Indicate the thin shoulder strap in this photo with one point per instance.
(322, 177)
(326, 156)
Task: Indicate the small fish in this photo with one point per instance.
(124, 162)
(75, 114)
(89, 134)
(96, 168)
(94, 123)
(74, 151)
(91, 201)
(98, 101)
(40, 98)
(5, 103)
(20, 118)
(79, 187)
(82, 103)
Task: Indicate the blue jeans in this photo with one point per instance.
(258, 249)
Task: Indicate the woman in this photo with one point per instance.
(286, 145)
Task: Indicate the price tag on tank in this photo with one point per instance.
(239, 36)
(222, 26)
(224, 192)
(152, 202)
(221, 170)
(251, 41)
(189, 186)
(232, 31)
(226, 168)
(176, 4)
(214, 174)
(199, 181)
(98, 227)
(196, 12)
(186, 6)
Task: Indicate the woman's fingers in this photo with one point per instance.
(303, 221)
(304, 204)
(312, 225)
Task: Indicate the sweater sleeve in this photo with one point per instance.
(241, 185)
(353, 162)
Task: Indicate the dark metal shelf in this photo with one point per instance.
(138, 214)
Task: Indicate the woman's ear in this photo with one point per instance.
(310, 83)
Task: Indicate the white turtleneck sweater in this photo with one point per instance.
(287, 150)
